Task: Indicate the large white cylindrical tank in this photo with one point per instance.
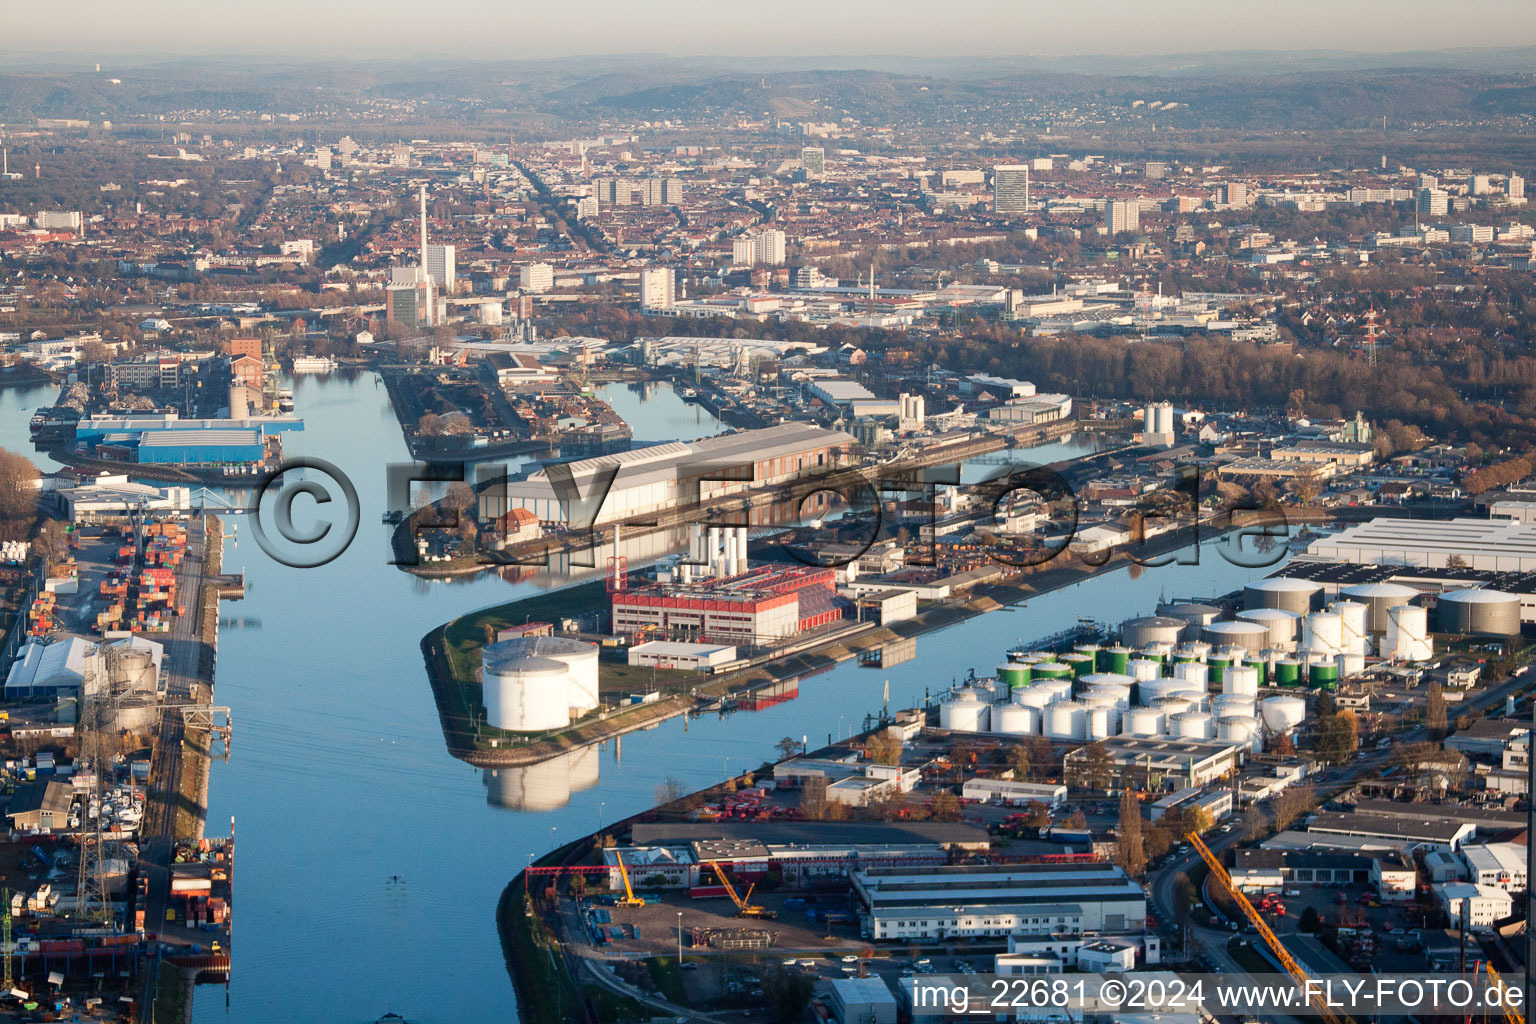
(1099, 723)
(1322, 633)
(1171, 706)
(1241, 729)
(1193, 674)
(964, 712)
(1407, 636)
(1282, 714)
(1061, 689)
(1143, 722)
(1066, 720)
(1191, 725)
(1379, 599)
(1036, 696)
(1015, 720)
(1199, 700)
(1143, 669)
(1151, 689)
(1150, 630)
(1352, 616)
(580, 657)
(1280, 624)
(1292, 595)
(1116, 696)
(1240, 679)
(521, 691)
(1479, 613)
(1350, 664)
(1229, 705)
(1106, 679)
(1240, 633)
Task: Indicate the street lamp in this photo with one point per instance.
(679, 938)
(552, 837)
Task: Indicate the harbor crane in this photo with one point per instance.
(1281, 954)
(744, 905)
(629, 899)
(1511, 1013)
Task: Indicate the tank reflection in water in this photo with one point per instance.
(546, 786)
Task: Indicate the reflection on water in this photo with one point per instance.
(545, 786)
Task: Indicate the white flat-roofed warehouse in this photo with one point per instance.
(1017, 793)
(1498, 545)
(675, 654)
(661, 476)
(899, 903)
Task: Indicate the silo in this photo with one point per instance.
(1114, 659)
(1191, 725)
(1352, 617)
(1013, 675)
(1240, 633)
(1035, 696)
(1144, 669)
(1379, 600)
(1081, 664)
(1051, 670)
(1350, 665)
(1479, 613)
(963, 713)
(1015, 720)
(1280, 624)
(1407, 636)
(1288, 672)
(1065, 720)
(1323, 675)
(1098, 721)
(523, 693)
(1143, 722)
(1322, 633)
(1150, 630)
(1239, 729)
(1241, 680)
(1296, 596)
(1282, 714)
(579, 656)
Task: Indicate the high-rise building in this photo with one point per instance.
(245, 347)
(441, 265)
(743, 251)
(1010, 189)
(763, 249)
(657, 288)
(814, 160)
(1477, 185)
(1122, 215)
(1429, 181)
(59, 220)
(1433, 202)
(408, 299)
(672, 191)
(1235, 193)
(536, 277)
(1156, 170)
(1515, 187)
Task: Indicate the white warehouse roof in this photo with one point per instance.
(1498, 545)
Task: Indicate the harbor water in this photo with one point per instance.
(370, 861)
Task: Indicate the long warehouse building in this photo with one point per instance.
(662, 476)
(965, 901)
(1497, 545)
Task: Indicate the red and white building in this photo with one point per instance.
(758, 606)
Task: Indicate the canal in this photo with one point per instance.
(370, 861)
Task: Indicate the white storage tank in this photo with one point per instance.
(1192, 674)
(1171, 706)
(1352, 616)
(1143, 669)
(1379, 599)
(1191, 725)
(1292, 595)
(1149, 690)
(1479, 613)
(1350, 665)
(1143, 722)
(523, 693)
(1322, 633)
(1035, 696)
(1240, 679)
(1066, 720)
(1240, 633)
(1151, 629)
(1282, 714)
(1229, 705)
(1061, 689)
(1199, 700)
(1015, 720)
(1280, 625)
(1192, 613)
(1100, 726)
(579, 656)
(1241, 729)
(1407, 636)
(1116, 696)
(964, 712)
(1106, 679)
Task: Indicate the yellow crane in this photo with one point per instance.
(1270, 939)
(1511, 1014)
(629, 899)
(744, 905)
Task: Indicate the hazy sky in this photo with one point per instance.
(516, 28)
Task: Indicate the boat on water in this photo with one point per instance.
(285, 401)
(313, 364)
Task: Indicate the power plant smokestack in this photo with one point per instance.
(423, 228)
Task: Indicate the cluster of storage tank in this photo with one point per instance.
(538, 683)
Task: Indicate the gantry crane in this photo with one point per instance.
(629, 899)
(1282, 954)
(744, 905)
(1511, 1013)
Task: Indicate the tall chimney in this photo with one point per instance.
(424, 229)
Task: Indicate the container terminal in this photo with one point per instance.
(976, 833)
(116, 901)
